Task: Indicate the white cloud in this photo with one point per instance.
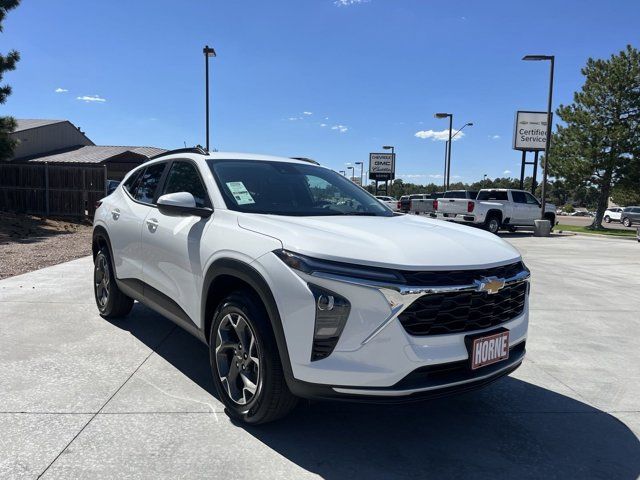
(494, 137)
(441, 135)
(346, 3)
(92, 98)
(323, 125)
(61, 90)
(307, 113)
(507, 172)
(293, 119)
(340, 128)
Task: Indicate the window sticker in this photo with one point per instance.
(240, 193)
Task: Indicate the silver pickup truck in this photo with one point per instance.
(494, 209)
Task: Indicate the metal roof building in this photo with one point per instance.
(57, 169)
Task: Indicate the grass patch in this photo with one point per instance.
(607, 231)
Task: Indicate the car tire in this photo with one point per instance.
(626, 222)
(110, 300)
(492, 223)
(607, 219)
(249, 379)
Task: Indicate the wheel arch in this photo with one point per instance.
(226, 275)
(99, 239)
(494, 212)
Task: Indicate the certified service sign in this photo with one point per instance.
(382, 166)
(530, 132)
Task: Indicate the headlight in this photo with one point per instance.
(310, 265)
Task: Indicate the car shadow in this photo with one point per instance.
(510, 429)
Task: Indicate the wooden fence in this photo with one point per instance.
(52, 189)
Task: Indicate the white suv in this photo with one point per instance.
(304, 285)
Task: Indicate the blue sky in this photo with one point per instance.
(331, 80)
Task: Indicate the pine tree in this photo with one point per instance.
(7, 63)
(599, 145)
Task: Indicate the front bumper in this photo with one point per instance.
(423, 383)
(375, 357)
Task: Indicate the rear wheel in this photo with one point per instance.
(492, 223)
(245, 363)
(111, 302)
(607, 219)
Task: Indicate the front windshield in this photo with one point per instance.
(281, 188)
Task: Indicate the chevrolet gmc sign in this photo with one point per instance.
(382, 166)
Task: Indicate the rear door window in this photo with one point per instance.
(519, 197)
(149, 181)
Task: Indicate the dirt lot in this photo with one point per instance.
(29, 242)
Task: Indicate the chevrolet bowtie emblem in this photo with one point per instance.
(490, 285)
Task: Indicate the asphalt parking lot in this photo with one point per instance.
(81, 397)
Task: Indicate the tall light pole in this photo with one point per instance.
(208, 52)
(393, 154)
(343, 173)
(552, 59)
(361, 173)
(447, 164)
(353, 172)
(448, 159)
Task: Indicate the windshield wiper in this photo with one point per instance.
(364, 214)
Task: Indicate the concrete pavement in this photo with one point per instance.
(81, 397)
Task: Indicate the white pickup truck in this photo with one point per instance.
(495, 209)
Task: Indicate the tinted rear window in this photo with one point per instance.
(455, 195)
(146, 190)
(492, 195)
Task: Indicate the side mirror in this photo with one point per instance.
(182, 203)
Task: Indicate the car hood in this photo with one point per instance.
(408, 242)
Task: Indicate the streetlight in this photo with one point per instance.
(393, 154)
(353, 172)
(208, 52)
(484, 179)
(552, 59)
(446, 145)
(448, 154)
(361, 173)
(343, 173)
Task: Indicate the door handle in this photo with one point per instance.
(152, 224)
(115, 213)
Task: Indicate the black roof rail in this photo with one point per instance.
(305, 159)
(198, 150)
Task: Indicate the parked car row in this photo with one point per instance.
(493, 209)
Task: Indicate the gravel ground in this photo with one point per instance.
(30, 242)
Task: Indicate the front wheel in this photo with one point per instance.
(626, 222)
(245, 363)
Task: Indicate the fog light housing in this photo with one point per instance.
(332, 311)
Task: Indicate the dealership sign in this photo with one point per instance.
(530, 131)
(382, 166)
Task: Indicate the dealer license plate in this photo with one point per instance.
(489, 349)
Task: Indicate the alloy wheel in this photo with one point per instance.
(101, 279)
(493, 225)
(237, 358)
